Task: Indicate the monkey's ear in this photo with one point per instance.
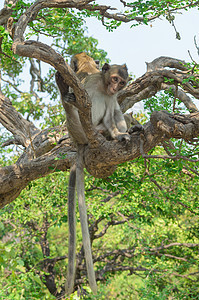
(105, 68)
(124, 66)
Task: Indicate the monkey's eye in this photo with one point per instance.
(122, 83)
(115, 79)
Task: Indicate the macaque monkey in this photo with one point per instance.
(83, 65)
(102, 88)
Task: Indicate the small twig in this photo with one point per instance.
(175, 96)
(196, 44)
(10, 142)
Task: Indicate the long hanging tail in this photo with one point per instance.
(83, 218)
(69, 286)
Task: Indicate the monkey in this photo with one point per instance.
(102, 88)
(83, 65)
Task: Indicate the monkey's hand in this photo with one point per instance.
(123, 137)
(70, 98)
(138, 128)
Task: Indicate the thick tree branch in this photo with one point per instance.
(158, 77)
(161, 127)
(100, 161)
(15, 178)
(152, 82)
(168, 62)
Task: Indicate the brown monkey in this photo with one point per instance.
(102, 88)
(84, 65)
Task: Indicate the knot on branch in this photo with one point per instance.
(95, 166)
(175, 125)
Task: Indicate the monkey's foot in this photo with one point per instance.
(135, 128)
(124, 137)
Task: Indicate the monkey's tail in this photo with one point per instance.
(83, 218)
(69, 286)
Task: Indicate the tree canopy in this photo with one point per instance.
(142, 195)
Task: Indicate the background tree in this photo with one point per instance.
(143, 217)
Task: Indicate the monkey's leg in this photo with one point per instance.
(83, 218)
(110, 124)
(69, 286)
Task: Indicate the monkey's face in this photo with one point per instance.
(115, 78)
(116, 83)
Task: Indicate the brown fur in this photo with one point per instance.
(83, 65)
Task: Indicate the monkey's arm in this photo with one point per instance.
(68, 100)
(119, 119)
(67, 97)
(122, 125)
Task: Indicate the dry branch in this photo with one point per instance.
(101, 161)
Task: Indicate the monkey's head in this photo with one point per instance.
(115, 78)
(82, 63)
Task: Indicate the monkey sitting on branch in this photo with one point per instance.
(102, 88)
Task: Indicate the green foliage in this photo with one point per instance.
(22, 227)
(166, 100)
(67, 27)
(10, 63)
(140, 217)
(20, 7)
